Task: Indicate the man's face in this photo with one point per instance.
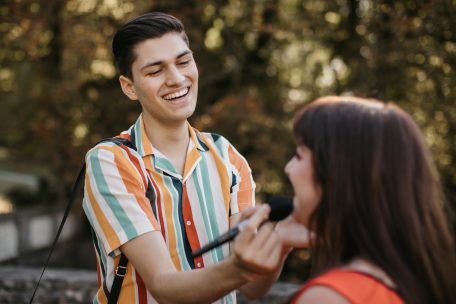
(165, 79)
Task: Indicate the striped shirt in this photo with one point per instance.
(189, 210)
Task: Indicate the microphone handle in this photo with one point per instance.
(226, 237)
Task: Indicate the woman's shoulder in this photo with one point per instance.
(366, 267)
(356, 282)
(316, 294)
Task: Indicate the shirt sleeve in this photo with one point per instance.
(242, 186)
(114, 196)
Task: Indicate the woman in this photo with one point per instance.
(365, 185)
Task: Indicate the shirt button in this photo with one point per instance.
(198, 264)
(189, 223)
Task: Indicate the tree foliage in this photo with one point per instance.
(259, 62)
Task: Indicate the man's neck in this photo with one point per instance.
(171, 140)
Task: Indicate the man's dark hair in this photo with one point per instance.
(147, 26)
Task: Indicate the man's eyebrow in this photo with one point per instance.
(159, 62)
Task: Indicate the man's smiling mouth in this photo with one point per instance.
(177, 94)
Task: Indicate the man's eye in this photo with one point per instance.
(185, 62)
(154, 72)
(298, 157)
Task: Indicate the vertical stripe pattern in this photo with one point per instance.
(190, 209)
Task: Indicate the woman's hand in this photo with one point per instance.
(294, 234)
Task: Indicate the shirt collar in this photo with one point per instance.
(139, 137)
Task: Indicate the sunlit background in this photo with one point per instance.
(259, 61)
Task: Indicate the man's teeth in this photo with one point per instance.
(176, 95)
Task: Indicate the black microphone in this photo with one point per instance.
(281, 207)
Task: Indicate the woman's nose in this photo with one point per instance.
(287, 167)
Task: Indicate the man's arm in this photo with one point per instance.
(254, 254)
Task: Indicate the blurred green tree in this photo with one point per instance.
(259, 62)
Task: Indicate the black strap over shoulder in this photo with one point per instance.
(121, 269)
(65, 215)
(120, 141)
(120, 273)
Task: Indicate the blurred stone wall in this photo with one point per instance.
(32, 230)
(64, 286)
(57, 286)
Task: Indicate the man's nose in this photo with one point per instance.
(174, 76)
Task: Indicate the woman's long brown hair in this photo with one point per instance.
(381, 200)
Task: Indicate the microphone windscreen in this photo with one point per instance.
(281, 207)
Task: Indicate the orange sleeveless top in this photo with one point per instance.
(356, 287)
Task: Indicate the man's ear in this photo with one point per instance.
(127, 87)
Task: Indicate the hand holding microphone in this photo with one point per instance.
(280, 206)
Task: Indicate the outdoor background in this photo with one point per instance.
(259, 61)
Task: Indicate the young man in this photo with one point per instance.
(198, 185)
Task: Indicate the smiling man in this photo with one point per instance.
(174, 189)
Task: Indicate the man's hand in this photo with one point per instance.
(257, 249)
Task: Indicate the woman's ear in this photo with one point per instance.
(127, 87)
